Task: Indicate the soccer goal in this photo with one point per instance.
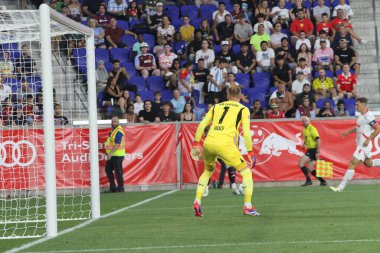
(49, 168)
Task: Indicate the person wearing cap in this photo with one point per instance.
(265, 58)
(205, 53)
(346, 55)
(298, 84)
(219, 15)
(323, 86)
(322, 36)
(243, 30)
(283, 98)
(259, 37)
(114, 34)
(323, 57)
(276, 36)
(275, 112)
(118, 9)
(245, 60)
(145, 63)
(224, 31)
(302, 24)
(154, 19)
(228, 55)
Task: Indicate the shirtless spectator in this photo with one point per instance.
(283, 98)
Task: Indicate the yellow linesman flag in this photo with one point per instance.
(324, 169)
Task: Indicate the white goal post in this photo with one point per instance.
(25, 206)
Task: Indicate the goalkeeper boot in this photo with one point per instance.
(323, 183)
(197, 209)
(335, 189)
(250, 211)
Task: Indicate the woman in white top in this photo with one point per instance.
(166, 30)
(206, 54)
(275, 38)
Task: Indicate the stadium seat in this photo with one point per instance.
(109, 66)
(271, 90)
(256, 93)
(35, 82)
(196, 22)
(166, 95)
(196, 94)
(129, 40)
(206, 11)
(217, 48)
(133, 22)
(261, 79)
(236, 49)
(340, 71)
(139, 82)
(146, 95)
(120, 54)
(189, 10)
(288, 5)
(155, 83)
(172, 10)
(177, 23)
(100, 98)
(130, 67)
(243, 79)
(307, 5)
(350, 105)
(123, 24)
(102, 54)
(9, 46)
(336, 2)
(150, 39)
(321, 102)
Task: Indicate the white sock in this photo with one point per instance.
(376, 163)
(233, 186)
(347, 177)
(248, 205)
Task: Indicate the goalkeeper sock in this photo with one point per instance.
(305, 171)
(247, 186)
(347, 177)
(376, 163)
(202, 184)
(314, 173)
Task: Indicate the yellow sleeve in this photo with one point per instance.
(314, 133)
(204, 123)
(246, 129)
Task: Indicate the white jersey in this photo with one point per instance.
(364, 127)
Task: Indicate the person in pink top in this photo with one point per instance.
(165, 60)
(324, 57)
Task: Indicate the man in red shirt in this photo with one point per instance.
(302, 24)
(326, 25)
(114, 34)
(275, 113)
(339, 20)
(346, 83)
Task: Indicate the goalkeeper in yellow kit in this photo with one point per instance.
(221, 142)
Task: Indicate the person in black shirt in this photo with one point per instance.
(345, 54)
(157, 103)
(225, 30)
(25, 64)
(200, 79)
(228, 55)
(121, 76)
(286, 51)
(59, 119)
(148, 115)
(166, 115)
(306, 93)
(257, 111)
(245, 60)
(155, 20)
(282, 73)
(195, 44)
(91, 7)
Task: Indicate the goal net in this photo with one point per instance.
(47, 163)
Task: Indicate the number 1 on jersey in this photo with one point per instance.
(224, 114)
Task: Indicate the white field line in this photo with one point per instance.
(84, 224)
(213, 246)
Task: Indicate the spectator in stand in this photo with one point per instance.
(287, 52)
(185, 80)
(324, 57)
(217, 80)
(265, 58)
(243, 30)
(308, 93)
(59, 119)
(325, 25)
(258, 38)
(20, 95)
(304, 53)
(302, 40)
(103, 18)
(179, 46)
(257, 111)
(124, 101)
(159, 47)
(138, 105)
(198, 3)
(155, 20)
(206, 54)
(187, 30)
(347, 83)
(207, 32)
(66, 12)
(299, 83)
(133, 11)
(146, 63)
(6, 66)
(301, 23)
(326, 111)
(299, 10)
(248, 7)
(148, 115)
(245, 60)
(280, 14)
(268, 27)
(101, 77)
(166, 59)
(263, 8)
(320, 10)
(121, 76)
(187, 114)
(219, 15)
(30, 110)
(75, 9)
(136, 46)
(232, 83)
(118, 9)
(340, 109)
(323, 86)
(130, 115)
(322, 36)
(114, 34)
(171, 77)
(200, 79)
(166, 30)
(305, 109)
(5, 91)
(277, 35)
(237, 13)
(224, 31)
(340, 35)
(7, 117)
(283, 98)
(150, 6)
(157, 102)
(25, 64)
(228, 55)
(166, 115)
(282, 73)
(90, 7)
(99, 33)
(346, 55)
(348, 13)
(340, 20)
(275, 112)
(112, 93)
(195, 44)
(178, 102)
(306, 70)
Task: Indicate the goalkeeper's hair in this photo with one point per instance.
(234, 92)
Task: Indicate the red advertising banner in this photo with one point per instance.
(278, 147)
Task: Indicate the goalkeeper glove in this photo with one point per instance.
(251, 159)
(195, 152)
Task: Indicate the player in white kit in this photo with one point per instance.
(366, 130)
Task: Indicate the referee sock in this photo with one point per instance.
(314, 173)
(202, 184)
(305, 171)
(247, 186)
(376, 163)
(347, 177)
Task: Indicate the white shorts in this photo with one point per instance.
(361, 153)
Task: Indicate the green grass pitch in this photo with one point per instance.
(294, 219)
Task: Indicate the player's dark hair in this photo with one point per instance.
(362, 100)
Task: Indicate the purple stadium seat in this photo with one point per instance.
(102, 54)
(189, 10)
(177, 23)
(243, 79)
(196, 22)
(147, 95)
(321, 102)
(123, 24)
(236, 49)
(155, 83)
(171, 9)
(328, 74)
(206, 11)
(336, 2)
(35, 82)
(150, 39)
(129, 40)
(121, 54)
(338, 72)
(100, 99)
(139, 82)
(217, 48)
(130, 67)
(350, 105)
(109, 66)
(9, 46)
(327, 3)
(166, 95)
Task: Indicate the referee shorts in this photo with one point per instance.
(311, 153)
